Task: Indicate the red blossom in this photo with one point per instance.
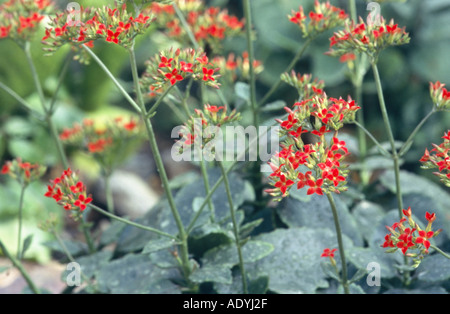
(173, 76)
(328, 253)
(208, 74)
(283, 184)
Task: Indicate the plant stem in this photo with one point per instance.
(383, 151)
(288, 69)
(19, 235)
(340, 242)
(21, 269)
(131, 223)
(440, 251)
(19, 99)
(108, 193)
(184, 254)
(235, 227)
(405, 147)
(353, 13)
(47, 111)
(87, 235)
(387, 125)
(112, 78)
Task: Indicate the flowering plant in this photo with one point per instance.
(208, 209)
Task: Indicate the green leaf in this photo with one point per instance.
(367, 216)
(274, 106)
(330, 271)
(362, 257)
(217, 274)
(226, 255)
(434, 269)
(294, 265)
(159, 244)
(26, 244)
(136, 274)
(75, 248)
(90, 265)
(316, 212)
(247, 229)
(242, 90)
(360, 273)
(353, 289)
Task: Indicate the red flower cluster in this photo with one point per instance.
(170, 67)
(114, 25)
(209, 26)
(367, 38)
(438, 158)
(317, 166)
(19, 19)
(107, 140)
(201, 129)
(440, 95)
(69, 192)
(233, 68)
(24, 172)
(410, 238)
(324, 16)
(306, 86)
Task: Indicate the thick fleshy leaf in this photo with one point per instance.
(135, 274)
(294, 265)
(434, 268)
(315, 211)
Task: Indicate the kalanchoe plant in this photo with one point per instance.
(23, 172)
(324, 17)
(209, 26)
(412, 238)
(305, 85)
(235, 68)
(20, 19)
(368, 38)
(172, 66)
(113, 24)
(438, 158)
(440, 96)
(323, 158)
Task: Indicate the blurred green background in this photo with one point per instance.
(405, 71)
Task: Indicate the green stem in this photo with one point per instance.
(387, 126)
(340, 242)
(131, 223)
(21, 269)
(353, 13)
(440, 251)
(235, 227)
(87, 235)
(35, 75)
(108, 193)
(405, 147)
(219, 181)
(288, 69)
(47, 111)
(112, 78)
(159, 101)
(19, 99)
(19, 235)
(184, 254)
(395, 156)
(380, 147)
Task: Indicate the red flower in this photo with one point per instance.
(5, 168)
(298, 133)
(388, 241)
(321, 131)
(214, 109)
(423, 238)
(347, 57)
(430, 217)
(407, 212)
(186, 67)
(207, 74)
(315, 187)
(339, 145)
(289, 123)
(283, 184)
(82, 201)
(165, 62)
(328, 253)
(173, 77)
(113, 37)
